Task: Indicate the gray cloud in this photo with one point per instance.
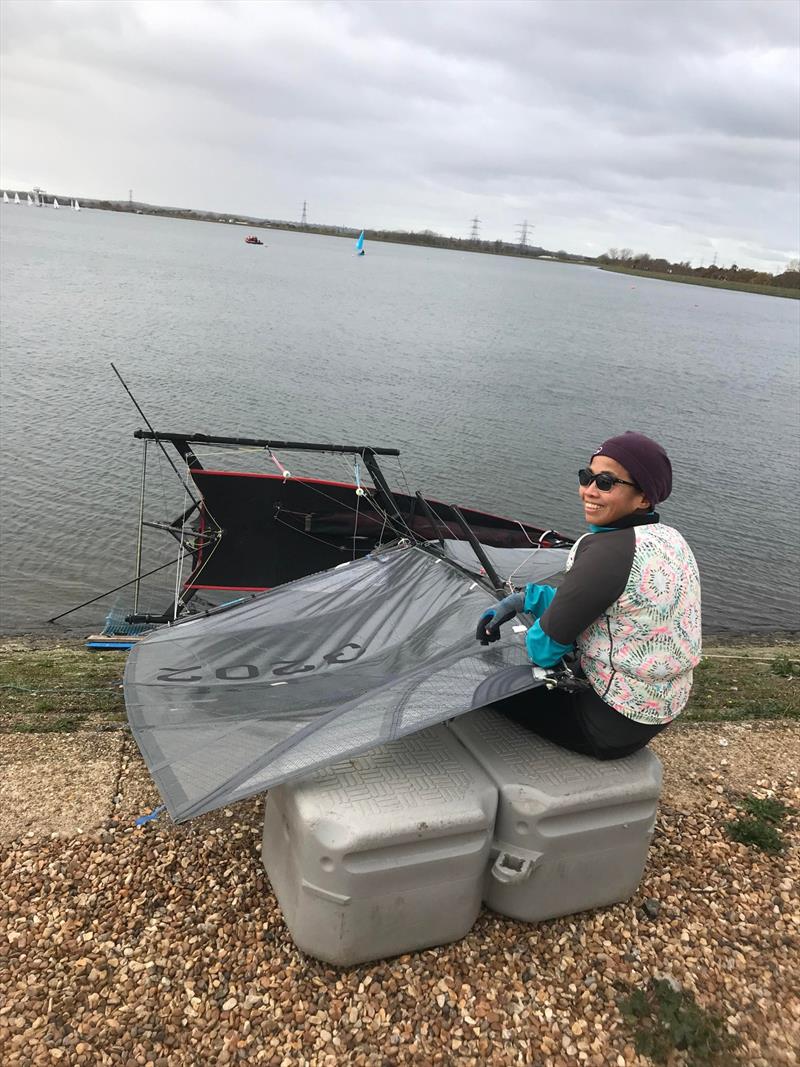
(670, 127)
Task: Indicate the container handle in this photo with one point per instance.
(511, 870)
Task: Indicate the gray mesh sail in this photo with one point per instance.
(228, 704)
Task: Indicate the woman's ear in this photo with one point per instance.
(643, 504)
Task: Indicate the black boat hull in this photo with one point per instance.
(275, 530)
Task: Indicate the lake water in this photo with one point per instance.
(495, 377)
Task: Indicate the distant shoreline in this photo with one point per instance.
(425, 239)
(714, 283)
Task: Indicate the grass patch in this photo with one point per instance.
(768, 809)
(746, 685)
(61, 682)
(664, 1020)
(760, 826)
(784, 667)
(756, 833)
(65, 724)
(56, 689)
(744, 711)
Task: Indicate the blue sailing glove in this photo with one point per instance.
(490, 622)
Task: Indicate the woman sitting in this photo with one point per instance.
(628, 608)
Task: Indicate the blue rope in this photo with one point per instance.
(153, 815)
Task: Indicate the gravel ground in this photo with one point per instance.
(164, 945)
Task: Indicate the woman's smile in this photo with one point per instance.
(605, 508)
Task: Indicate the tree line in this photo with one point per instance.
(624, 257)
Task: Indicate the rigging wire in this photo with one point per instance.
(536, 548)
(359, 494)
(167, 509)
(342, 503)
(137, 586)
(195, 573)
(284, 471)
(204, 513)
(453, 533)
(108, 592)
(150, 428)
(358, 515)
(314, 537)
(179, 568)
(403, 473)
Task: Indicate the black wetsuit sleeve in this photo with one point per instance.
(597, 578)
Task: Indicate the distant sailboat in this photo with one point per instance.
(76, 206)
(360, 244)
(16, 198)
(55, 202)
(5, 198)
(30, 202)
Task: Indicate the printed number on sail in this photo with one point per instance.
(243, 672)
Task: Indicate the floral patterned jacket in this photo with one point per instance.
(630, 603)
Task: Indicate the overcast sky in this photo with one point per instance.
(667, 127)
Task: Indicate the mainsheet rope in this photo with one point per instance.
(536, 546)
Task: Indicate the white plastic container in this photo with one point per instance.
(572, 832)
(384, 853)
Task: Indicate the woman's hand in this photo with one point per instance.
(490, 622)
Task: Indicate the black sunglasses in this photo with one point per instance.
(604, 481)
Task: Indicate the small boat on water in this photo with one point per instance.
(5, 198)
(30, 200)
(55, 202)
(16, 198)
(76, 206)
(251, 239)
(360, 245)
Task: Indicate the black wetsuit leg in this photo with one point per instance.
(581, 722)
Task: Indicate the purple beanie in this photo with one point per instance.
(645, 460)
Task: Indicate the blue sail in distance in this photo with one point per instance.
(360, 244)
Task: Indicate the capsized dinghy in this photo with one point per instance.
(227, 702)
(248, 532)
(231, 700)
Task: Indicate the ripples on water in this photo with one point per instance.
(495, 377)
